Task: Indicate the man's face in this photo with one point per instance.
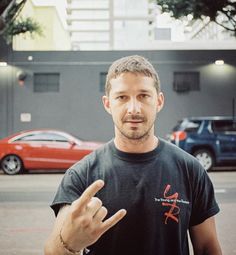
(133, 103)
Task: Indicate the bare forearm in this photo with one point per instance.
(81, 224)
(54, 246)
(211, 250)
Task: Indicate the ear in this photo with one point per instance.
(160, 101)
(106, 104)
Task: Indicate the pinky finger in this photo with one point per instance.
(113, 220)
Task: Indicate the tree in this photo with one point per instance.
(11, 25)
(222, 12)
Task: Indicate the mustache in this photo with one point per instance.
(134, 117)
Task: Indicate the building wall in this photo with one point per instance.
(54, 36)
(5, 87)
(3, 101)
(77, 107)
(110, 24)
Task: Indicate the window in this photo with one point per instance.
(46, 82)
(192, 126)
(162, 34)
(102, 79)
(187, 125)
(224, 126)
(186, 81)
(43, 137)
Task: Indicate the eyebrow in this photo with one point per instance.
(140, 91)
(145, 91)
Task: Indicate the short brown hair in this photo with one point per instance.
(133, 64)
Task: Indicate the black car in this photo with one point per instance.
(212, 140)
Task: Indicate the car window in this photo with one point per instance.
(192, 126)
(224, 126)
(43, 137)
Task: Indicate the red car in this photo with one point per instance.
(42, 149)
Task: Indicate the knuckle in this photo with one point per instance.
(95, 233)
(85, 221)
(73, 212)
(97, 201)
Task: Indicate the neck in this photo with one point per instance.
(142, 145)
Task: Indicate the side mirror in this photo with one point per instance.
(72, 143)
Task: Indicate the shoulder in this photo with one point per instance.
(92, 159)
(181, 159)
(176, 152)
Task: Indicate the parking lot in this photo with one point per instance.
(26, 219)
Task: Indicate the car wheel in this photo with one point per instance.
(205, 157)
(12, 164)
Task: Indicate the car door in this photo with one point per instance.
(60, 150)
(56, 152)
(31, 147)
(225, 131)
(46, 150)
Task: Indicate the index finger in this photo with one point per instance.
(89, 193)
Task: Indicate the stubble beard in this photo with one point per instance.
(135, 136)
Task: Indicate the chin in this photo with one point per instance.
(136, 136)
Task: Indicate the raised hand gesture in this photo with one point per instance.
(84, 222)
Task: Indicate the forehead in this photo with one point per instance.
(132, 81)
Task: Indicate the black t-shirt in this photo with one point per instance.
(164, 191)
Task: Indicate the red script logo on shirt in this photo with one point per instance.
(170, 201)
(174, 209)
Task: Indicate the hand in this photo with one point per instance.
(84, 223)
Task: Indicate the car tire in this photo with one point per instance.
(205, 157)
(12, 164)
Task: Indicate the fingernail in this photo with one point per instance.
(101, 182)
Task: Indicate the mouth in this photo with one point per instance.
(134, 119)
(134, 122)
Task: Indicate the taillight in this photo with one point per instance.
(178, 136)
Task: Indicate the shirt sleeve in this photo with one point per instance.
(204, 202)
(70, 188)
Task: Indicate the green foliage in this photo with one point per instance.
(203, 8)
(21, 26)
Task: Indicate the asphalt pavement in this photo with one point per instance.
(26, 219)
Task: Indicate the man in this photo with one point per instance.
(137, 194)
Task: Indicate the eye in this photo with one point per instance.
(121, 98)
(144, 96)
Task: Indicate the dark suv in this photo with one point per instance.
(212, 140)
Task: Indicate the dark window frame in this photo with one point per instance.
(44, 83)
(185, 81)
(102, 81)
(223, 126)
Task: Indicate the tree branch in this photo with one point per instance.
(227, 28)
(228, 16)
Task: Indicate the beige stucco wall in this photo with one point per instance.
(55, 37)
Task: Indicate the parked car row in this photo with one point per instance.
(42, 149)
(212, 140)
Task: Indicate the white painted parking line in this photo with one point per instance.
(220, 191)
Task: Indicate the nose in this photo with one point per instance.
(134, 107)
